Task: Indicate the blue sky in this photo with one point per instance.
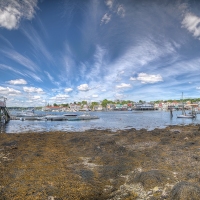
(61, 51)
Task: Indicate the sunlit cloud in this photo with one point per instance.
(68, 89)
(95, 95)
(149, 78)
(17, 82)
(109, 3)
(12, 11)
(8, 91)
(60, 97)
(191, 23)
(33, 90)
(83, 87)
(123, 85)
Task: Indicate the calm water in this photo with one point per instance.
(116, 120)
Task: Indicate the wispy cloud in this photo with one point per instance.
(6, 68)
(12, 11)
(17, 82)
(37, 43)
(22, 60)
(121, 11)
(106, 18)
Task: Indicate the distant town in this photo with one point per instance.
(120, 105)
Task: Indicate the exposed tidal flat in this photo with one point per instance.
(101, 164)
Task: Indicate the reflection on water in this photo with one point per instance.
(2, 128)
(116, 120)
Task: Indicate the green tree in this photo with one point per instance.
(84, 102)
(104, 103)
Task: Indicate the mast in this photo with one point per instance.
(183, 110)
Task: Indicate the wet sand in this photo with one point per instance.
(96, 164)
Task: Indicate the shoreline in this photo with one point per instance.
(101, 164)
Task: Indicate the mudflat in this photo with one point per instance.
(101, 164)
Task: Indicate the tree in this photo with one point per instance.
(104, 103)
(84, 102)
(93, 104)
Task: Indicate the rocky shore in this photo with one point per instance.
(101, 165)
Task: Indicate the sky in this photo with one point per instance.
(63, 51)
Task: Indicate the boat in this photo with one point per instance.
(54, 117)
(70, 115)
(85, 116)
(184, 114)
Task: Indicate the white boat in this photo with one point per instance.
(85, 116)
(54, 117)
(184, 115)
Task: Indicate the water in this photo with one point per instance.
(116, 120)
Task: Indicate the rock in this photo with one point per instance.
(185, 191)
(51, 198)
(153, 178)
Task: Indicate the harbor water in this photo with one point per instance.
(112, 120)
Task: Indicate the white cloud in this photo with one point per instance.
(35, 97)
(68, 89)
(8, 91)
(119, 96)
(121, 11)
(17, 82)
(33, 89)
(106, 18)
(123, 85)
(12, 11)
(83, 87)
(60, 97)
(109, 3)
(95, 95)
(132, 79)
(148, 78)
(191, 22)
(198, 88)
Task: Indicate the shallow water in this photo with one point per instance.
(115, 120)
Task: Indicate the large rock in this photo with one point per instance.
(185, 191)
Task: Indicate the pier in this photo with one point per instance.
(4, 113)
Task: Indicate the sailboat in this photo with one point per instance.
(184, 115)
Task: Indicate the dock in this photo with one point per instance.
(4, 113)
